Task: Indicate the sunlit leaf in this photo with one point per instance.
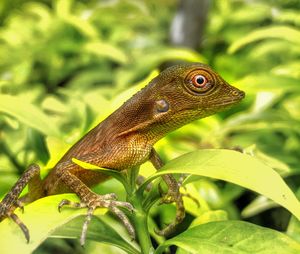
(266, 82)
(114, 173)
(209, 216)
(42, 218)
(103, 49)
(39, 9)
(231, 166)
(290, 34)
(100, 230)
(258, 205)
(281, 167)
(293, 229)
(287, 16)
(292, 106)
(28, 114)
(237, 168)
(267, 48)
(194, 202)
(245, 15)
(83, 26)
(232, 237)
(63, 7)
(291, 69)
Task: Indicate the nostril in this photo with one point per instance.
(238, 93)
(242, 94)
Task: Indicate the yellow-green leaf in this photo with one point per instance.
(103, 49)
(230, 166)
(290, 34)
(238, 168)
(28, 114)
(232, 237)
(42, 218)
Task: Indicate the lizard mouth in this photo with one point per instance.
(227, 102)
(231, 101)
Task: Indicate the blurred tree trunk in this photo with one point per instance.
(189, 23)
(188, 26)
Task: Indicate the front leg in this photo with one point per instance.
(11, 201)
(89, 199)
(173, 195)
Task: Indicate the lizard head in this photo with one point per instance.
(197, 88)
(183, 93)
(177, 96)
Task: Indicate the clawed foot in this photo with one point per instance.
(174, 195)
(11, 201)
(6, 211)
(94, 201)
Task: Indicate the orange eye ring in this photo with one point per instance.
(199, 81)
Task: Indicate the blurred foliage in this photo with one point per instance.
(65, 65)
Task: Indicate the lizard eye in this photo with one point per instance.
(199, 82)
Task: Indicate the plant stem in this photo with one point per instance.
(139, 217)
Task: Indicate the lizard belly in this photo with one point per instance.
(120, 157)
(127, 155)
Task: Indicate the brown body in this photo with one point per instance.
(125, 139)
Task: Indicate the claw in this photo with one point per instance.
(126, 205)
(67, 202)
(125, 220)
(10, 201)
(85, 225)
(97, 201)
(173, 195)
(180, 214)
(22, 226)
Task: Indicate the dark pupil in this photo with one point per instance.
(200, 80)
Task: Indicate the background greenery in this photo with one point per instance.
(65, 65)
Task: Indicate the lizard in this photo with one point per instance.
(177, 96)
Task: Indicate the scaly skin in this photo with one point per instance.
(125, 139)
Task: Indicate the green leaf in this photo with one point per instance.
(100, 229)
(293, 229)
(258, 205)
(178, 54)
(268, 82)
(238, 168)
(28, 114)
(83, 26)
(232, 237)
(282, 168)
(288, 16)
(290, 34)
(42, 218)
(63, 7)
(103, 49)
(209, 216)
(114, 173)
(291, 69)
(230, 166)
